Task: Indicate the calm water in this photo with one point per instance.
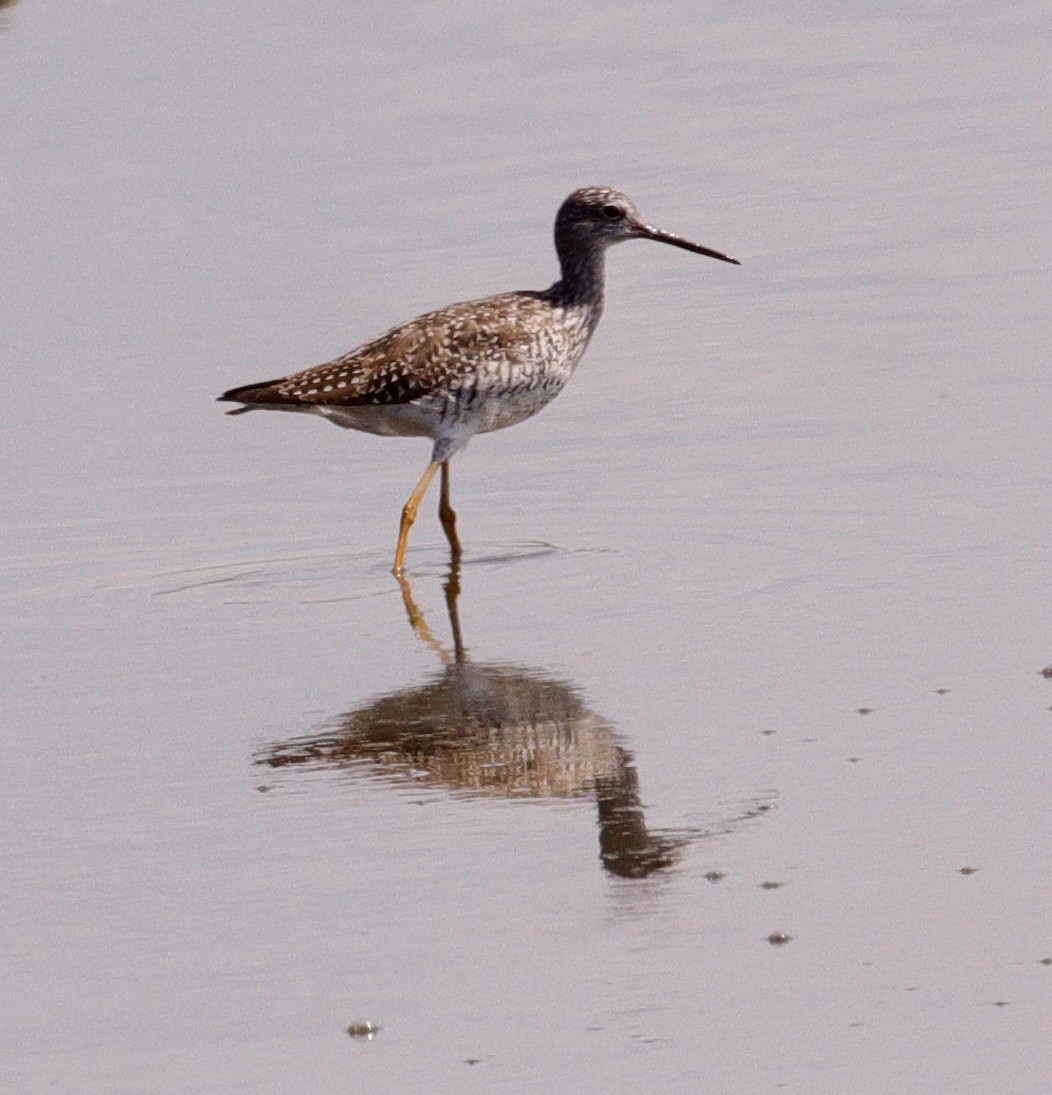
(750, 633)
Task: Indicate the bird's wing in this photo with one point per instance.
(418, 357)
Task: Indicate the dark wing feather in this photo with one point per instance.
(414, 359)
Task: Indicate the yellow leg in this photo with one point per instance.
(448, 517)
(409, 515)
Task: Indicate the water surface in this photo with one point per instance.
(749, 637)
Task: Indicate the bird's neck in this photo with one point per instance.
(582, 274)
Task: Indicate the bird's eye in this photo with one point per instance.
(612, 212)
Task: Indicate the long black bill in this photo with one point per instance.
(649, 232)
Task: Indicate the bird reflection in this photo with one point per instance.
(496, 730)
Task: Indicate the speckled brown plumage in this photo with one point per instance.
(473, 367)
(419, 357)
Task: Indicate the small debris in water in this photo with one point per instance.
(967, 870)
(771, 885)
(472, 1060)
(941, 691)
(778, 939)
(864, 710)
(1047, 672)
(1000, 1003)
(1046, 961)
(363, 1030)
(714, 876)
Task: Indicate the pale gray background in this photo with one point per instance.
(776, 495)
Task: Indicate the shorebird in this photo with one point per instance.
(473, 367)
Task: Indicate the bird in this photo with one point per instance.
(473, 367)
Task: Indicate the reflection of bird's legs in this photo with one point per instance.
(452, 588)
(448, 517)
(409, 514)
(418, 623)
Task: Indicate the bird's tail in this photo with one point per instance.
(252, 394)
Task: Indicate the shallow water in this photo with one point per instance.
(749, 636)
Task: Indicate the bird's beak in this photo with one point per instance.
(649, 232)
